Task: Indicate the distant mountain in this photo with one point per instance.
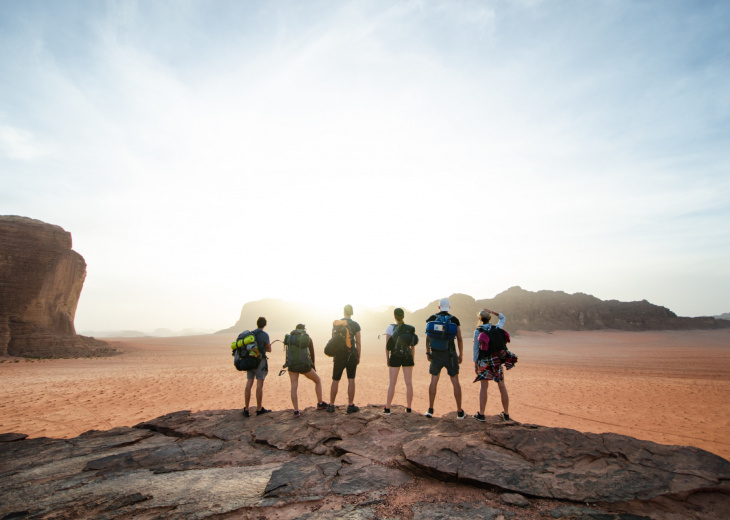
(547, 311)
(282, 315)
(724, 316)
(544, 311)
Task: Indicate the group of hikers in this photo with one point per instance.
(443, 339)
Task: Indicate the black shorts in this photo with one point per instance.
(348, 362)
(447, 359)
(398, 361)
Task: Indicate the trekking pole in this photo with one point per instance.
(286, 347)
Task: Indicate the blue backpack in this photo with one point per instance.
(441, 331)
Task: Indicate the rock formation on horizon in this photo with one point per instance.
(218, 464)
(548, 311)
(41, 279)
(541, 311)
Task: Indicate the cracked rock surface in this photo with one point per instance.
(365, 465)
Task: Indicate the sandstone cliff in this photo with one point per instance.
(217, 464)
(41, 279)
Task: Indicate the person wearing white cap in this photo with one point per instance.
(442, 354)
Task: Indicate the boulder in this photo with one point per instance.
(563, 463)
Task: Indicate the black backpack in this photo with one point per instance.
(497, 341)
(246, 352)
(335, 345)
(404, 337)
(342, 341)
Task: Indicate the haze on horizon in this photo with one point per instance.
(208, 154)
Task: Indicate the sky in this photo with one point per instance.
(204, 154)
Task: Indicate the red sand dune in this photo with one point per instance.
(668, 387)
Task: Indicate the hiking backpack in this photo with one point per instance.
(404, 337)
(246, 353)
(441, 331)
(342, 340)
(335, 345)
(492, 340)
(297, 351)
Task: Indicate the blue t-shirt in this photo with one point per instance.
(262, 339)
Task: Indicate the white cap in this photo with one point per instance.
(444, 304)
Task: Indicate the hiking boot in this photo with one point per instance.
(429, 413)
(504, 416)
(296, 414)
(479, 417)
(352, 408)
(386, 411)
(460, 414)
(331, 408)
(245, 413)
(408, 410)
(262, 411)
(322, 406)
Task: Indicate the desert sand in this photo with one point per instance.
(668, 387)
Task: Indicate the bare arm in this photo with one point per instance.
(460, 342)
(359, 345)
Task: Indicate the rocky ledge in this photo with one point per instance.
(218, 464)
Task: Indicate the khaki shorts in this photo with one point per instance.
(261, 371)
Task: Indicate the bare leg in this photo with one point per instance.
(483, 396)
(247, 393)
(391, 387)
(457, 391)
(432, 390)
(408, 376)
(333, 391)
(259, 393)
(351, 391)
(313, 376)
(505, 396)
(294, 378)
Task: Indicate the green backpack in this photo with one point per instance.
(297, 351)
